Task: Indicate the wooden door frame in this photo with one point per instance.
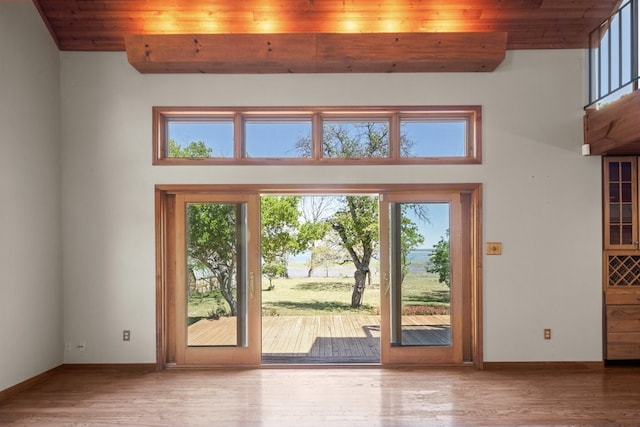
(471, 199)
(248, 353)
(402, 354)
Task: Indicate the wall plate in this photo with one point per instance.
(494, 248)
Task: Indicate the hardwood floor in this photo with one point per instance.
(323, 339)
(331, 397)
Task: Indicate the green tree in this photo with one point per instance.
(327, 252)
(356, 221)
(212, 240)
(314, 212)
(357, 226)
(439, 260)
(195, 150)
(212, 234)
(280, 236)
(410, 238)
(355, 140)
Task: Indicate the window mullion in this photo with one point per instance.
(394, 136)
(316, 138)
(238, 136)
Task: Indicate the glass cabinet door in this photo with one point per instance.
(620, 203)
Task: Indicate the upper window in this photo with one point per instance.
(418, 135)
(614, 56)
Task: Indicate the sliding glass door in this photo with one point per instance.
(218, 280)
(422, 291)
(417, 269)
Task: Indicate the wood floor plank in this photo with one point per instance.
(331, 397)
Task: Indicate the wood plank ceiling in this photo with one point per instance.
(101, 25)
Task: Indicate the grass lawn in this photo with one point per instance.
(422, 294)
(316, 295)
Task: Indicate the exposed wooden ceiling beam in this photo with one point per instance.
(316, 53)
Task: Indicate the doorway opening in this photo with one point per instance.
(320, 279)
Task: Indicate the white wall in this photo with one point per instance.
(541, 197)
(30, 197)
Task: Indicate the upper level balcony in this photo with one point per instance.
(612, 119)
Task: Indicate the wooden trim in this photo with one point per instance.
(477, 329)
(7, 393)
(178, 259)
(161, 244)
(476, 136)
(158, 136)
(119, 367)
(471, 191)
(471, 114)
(316, 52)
(467, 253)
(528, 366)
(306, 188)
(165, 272)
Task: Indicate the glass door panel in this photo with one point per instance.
(216, 254)
(420, 270)
(620, 196)
(218, 316)
(421, 260)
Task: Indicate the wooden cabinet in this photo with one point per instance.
(621, 258)
(623, 331)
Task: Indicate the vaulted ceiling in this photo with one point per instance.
(101, 25)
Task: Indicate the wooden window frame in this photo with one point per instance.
(470, 114)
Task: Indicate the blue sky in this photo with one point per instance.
(439, 223)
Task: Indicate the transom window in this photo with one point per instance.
(417, 135)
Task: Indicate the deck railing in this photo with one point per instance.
(614, 55)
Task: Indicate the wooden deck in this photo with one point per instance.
(323, 339)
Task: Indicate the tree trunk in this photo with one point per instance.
(225, 289)
(225, 281)
(358, 288)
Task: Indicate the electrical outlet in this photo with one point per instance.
(67, 346)
(126, 335)
(547, 334)
(81, 347)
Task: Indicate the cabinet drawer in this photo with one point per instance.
(621, 346)
(623, 296)
(623, 318)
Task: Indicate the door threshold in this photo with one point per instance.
(309, 360)
(320, 365)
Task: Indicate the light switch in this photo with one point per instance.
(494, 248)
